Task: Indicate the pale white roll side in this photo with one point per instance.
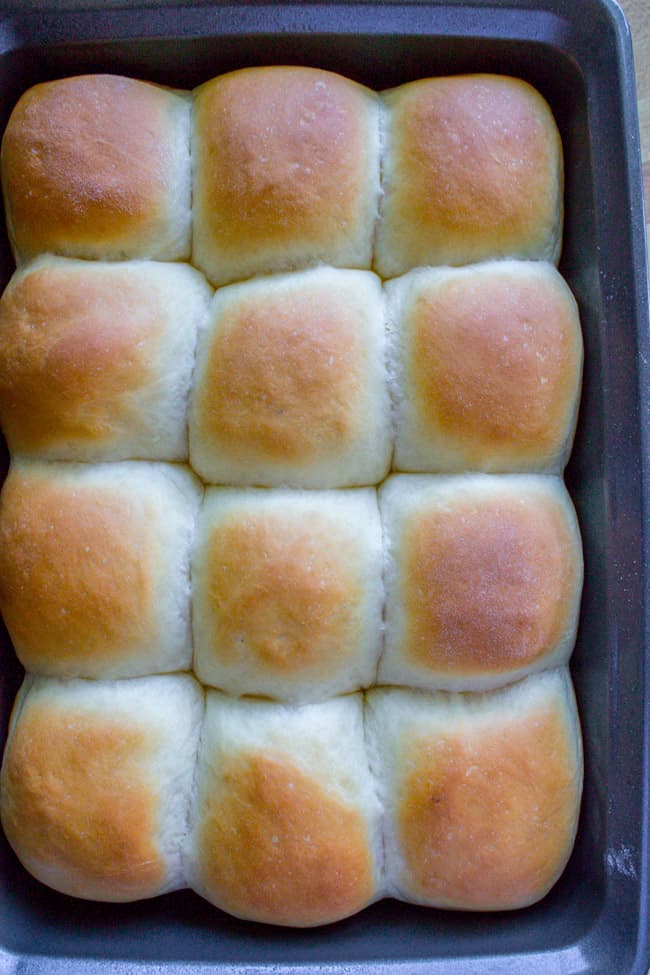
(96, 358)
(96, 781)
(286, 172)
(286, 822)
(94, 566)
(483, 579)
(98, 166)
(287, 592)
(290, 385)
(481, 793)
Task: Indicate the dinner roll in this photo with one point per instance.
(96, 358)
(483, 579)
(287, 591)
(98, 166)
(285, 825)
(481, 793)
(290, 383)
(94, 567)
(96, 781)
(487, 367)
(286, 172)
(472, 169)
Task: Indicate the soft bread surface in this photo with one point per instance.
(487, 367)
(472, 169)
(96, 358)
(292, 577)
(481, 793)
(285, 825)
(98, 166)
(290, 383)
(483, 579)
(287, 591)
(286, 172)
(95, 784)
(94, 567)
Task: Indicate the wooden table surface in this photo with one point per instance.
(638, 15)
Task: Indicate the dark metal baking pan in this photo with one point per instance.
(578, 55)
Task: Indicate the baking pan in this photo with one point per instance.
(579, 56)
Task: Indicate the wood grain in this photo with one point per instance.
(638, 16)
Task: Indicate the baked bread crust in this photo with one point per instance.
(98, 166)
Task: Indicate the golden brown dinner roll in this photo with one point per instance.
(98, 166)
(487, 366)
(285, 824)
(481, 793)
(286, 172)
(96, 781)
(287, 592)
(94, 566)
(483, 579)
(96, 358)
(472, 169)
(290, 383)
